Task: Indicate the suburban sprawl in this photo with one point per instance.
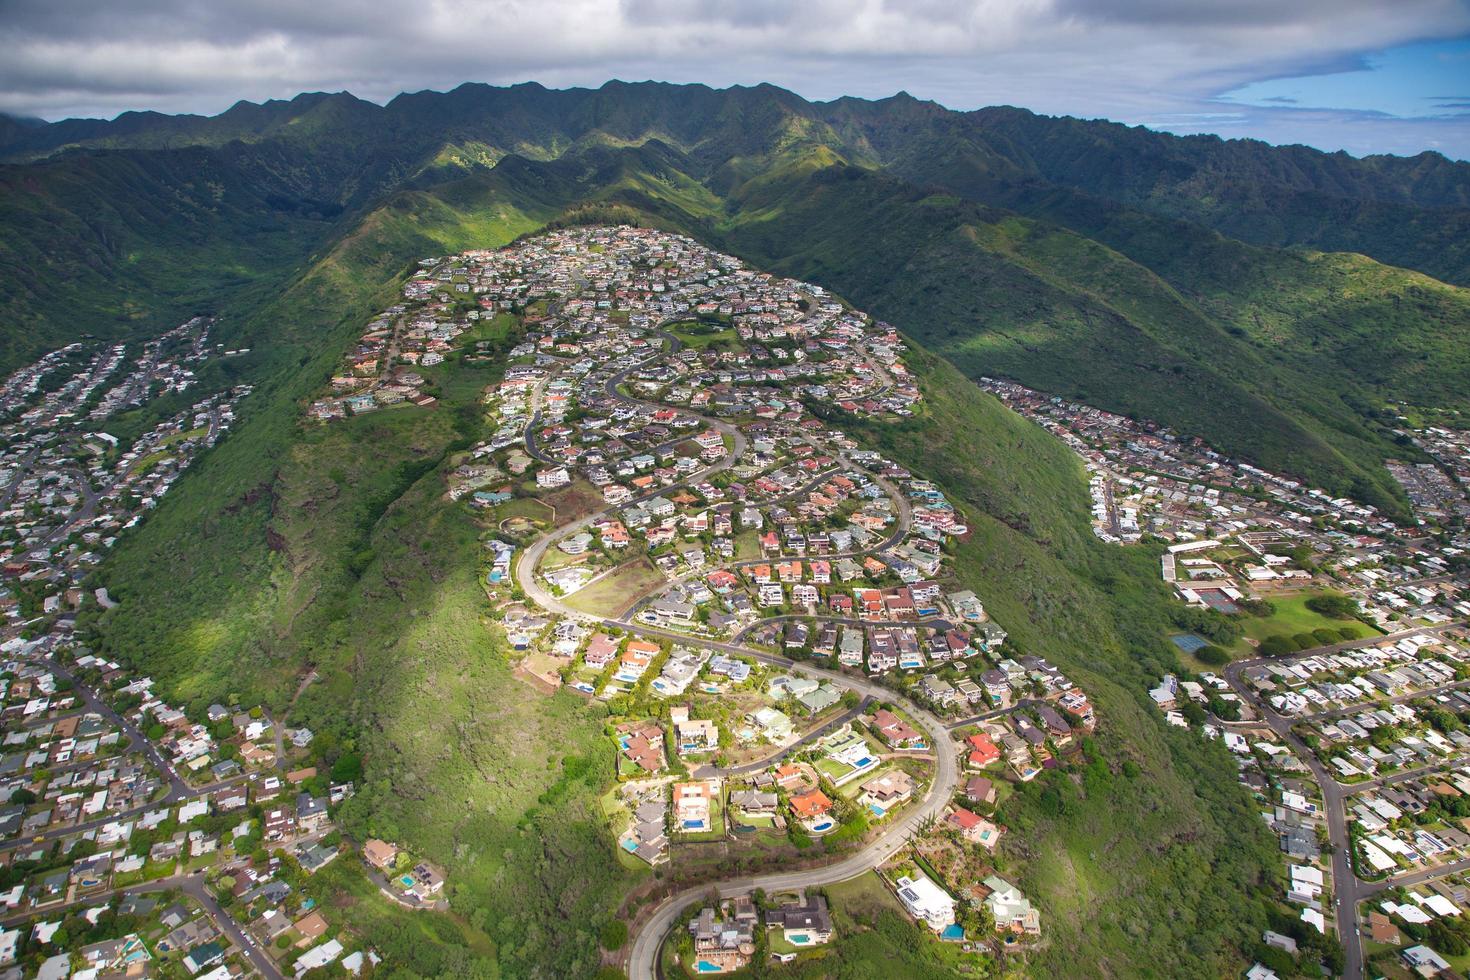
(1339, 676)
(682, 524)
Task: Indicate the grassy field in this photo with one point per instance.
(610, 595)
(702, 335)
(1291, 616)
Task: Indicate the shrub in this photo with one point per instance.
(614, 934)
(1278, 646)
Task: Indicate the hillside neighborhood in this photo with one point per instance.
(1339, 677)
(682, 527)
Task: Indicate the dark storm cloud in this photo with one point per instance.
(1132, 60)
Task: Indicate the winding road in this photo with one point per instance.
(650, 931)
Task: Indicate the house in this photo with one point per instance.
(724, 943)
(318, 957)
(802, 923)
(694, 803)
(776, 725)
(1424, 961)
(202, 956)
(311, 812)
(693, 735)
(810, 805)
(898, 733)
(1011, 909)
(926, 901)
(819, 699)
(553, 477)
(642, 743)
(983, 751)
(315, 857)
(974, 828)
(311, 926)
(980, 790)
(601, 650)
(888, 790)
(753, 802)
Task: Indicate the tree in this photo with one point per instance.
(1333, 605)
(614, 934)
(1212, 655)
(347, 768)
(1278, 646)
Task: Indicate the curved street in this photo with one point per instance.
(649, 932)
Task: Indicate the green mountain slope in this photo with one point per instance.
(1081, 258)
(332, 547)
(1413, 212)
(131, 243)
(1113, 290)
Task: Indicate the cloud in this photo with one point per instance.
(1131, 60)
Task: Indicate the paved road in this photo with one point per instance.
(643, 950)
(1352, 789)
(136, 738)
(781, 754)
(1357, 706)
(901, 527)
(179, 791)
(1347, 888)
(191, 885)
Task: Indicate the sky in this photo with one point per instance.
(1365, 76)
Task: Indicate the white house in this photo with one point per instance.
(927, 901)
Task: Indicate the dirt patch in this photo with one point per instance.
(541, 672)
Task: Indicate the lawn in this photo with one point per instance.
(1291, 616)
(862, 897)
(747, 546)
(701, 335)
(833, 769)
(610, 595)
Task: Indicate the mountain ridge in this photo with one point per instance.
(1208, 319)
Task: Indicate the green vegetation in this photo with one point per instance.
(1298, 615)
(702, 334)
(1055, 253)
(1168, 864)
(295, 546)
(617, 590)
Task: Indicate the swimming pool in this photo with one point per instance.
(876, 810)
(406, 881)
(630, 846)
(694, 825)
(798, 939)
(822, 827)
(953, 932)
(705, 966)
